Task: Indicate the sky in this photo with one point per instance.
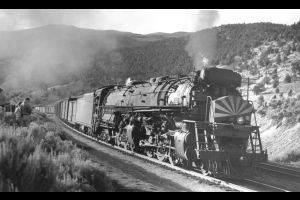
(142, 21)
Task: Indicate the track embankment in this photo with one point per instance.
(134, 173)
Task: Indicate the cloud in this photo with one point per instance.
(17, 19)
(206, 19)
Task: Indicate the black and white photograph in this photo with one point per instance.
(149, 100)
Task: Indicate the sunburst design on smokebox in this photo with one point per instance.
(231, 106)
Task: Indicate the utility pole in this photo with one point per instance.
(249, 81)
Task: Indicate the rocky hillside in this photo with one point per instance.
(275, 92)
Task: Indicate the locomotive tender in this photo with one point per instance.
(199, 120)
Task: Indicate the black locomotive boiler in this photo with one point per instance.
(199, 120)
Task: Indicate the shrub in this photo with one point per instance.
(287, 113)
(297, 111)
(298, 118)
(290, 93)
(277, 90)
(289, 155)
(67, 184)
(274, 76)
(266, 80)
(257, 89)
(261, 112)
(274, 97)
(280, 115)
(94, 176)
(296, 67)
(33, 172)
(275, 83)
(281, 94)
(278, 58)
(284, 58)
(36, 159)
(261, 100)
(274, 103)
(293, 102)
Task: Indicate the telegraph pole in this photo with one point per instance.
(248, 84)
(248, 89)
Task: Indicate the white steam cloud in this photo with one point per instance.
(201, 44)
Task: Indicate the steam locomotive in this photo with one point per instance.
(198, 121)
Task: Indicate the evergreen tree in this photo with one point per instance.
(266, 80)
(275, 74)
(260, 100)
(298, 48)
(288, 50)
(284, 57)
(278, 59)
(281, 94)
(293, 46)
(257, 89)
(296, 67)
(287, 78)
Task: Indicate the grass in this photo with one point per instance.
(39, 159)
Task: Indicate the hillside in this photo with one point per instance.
(65, 61)
(51, 53)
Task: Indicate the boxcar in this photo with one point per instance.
(64, 109)
(60, 109)
(52, 109)
(72, 105)
(84, 111)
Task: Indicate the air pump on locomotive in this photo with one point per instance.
(199, 120)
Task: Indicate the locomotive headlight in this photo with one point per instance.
(240, 120)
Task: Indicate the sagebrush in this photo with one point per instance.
(39, 159)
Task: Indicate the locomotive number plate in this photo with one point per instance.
(239, 126)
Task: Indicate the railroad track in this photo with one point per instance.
(281, 171)
(224, 184)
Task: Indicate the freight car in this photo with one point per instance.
(199, 120)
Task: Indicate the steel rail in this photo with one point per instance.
(281, 170)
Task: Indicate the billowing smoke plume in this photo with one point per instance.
(202, 43)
